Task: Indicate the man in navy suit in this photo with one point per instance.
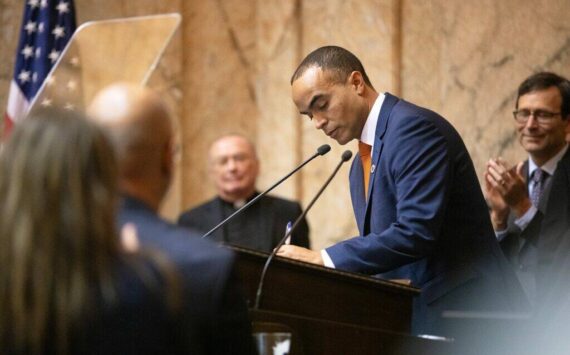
(138, 125)
(417, 201)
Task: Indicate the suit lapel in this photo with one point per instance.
(381, 126)
(357, 192)
(556, 219)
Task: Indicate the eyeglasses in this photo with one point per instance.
(542, 117)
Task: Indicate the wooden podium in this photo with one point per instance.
(331, 311)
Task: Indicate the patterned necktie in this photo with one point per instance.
(538, 178)
(364, 150)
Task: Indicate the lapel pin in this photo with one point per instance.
(372, 168)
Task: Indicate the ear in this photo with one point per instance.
(356, 81)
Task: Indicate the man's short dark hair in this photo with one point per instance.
(339, 62)
(544, 80)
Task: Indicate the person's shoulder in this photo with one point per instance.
(422, 122)
(198, 211)
(177, 241)
(188, 237)
(405, 108)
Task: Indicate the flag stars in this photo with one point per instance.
(53, 55)
(24, 76)
(58, 32)
(35, 77)
(34, 3)
(31, 27)
(62, 7)
(43, 4)
(71, 85)
(38, 52)
(41, 27)
(74, 61)
(28, 51)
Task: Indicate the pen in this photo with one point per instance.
(287, 229)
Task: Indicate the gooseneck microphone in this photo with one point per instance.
(322, 150)
(345, 157)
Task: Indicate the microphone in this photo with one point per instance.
(344, 158)
(322, 150)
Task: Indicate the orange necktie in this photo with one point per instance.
(364, 151)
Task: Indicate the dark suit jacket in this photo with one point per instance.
(267, 219)
(137, 321)
(214, 315)
(534, 249)
(426, 219)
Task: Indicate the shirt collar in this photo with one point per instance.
(369, 130)
(550, 165)
(239, 203)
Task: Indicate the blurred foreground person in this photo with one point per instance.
(66, 285)
(138, 124)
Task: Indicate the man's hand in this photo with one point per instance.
(301, 254)
(499, 208)
(509, 183)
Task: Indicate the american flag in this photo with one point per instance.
(47, 26)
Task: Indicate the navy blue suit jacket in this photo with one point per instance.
(214, 314)
(425, 219)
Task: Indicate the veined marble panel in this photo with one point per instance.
(278, 138)
(218, 85)
(466, 59)
(11, 12)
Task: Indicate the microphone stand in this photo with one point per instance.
(322, 150)
(345, 157)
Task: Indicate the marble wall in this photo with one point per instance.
(228, 70)
(465, 60)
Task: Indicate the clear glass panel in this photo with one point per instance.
(103, 52)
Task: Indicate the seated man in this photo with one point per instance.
(140, 130)
(234, 168)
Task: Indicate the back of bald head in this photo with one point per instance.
(137, 122)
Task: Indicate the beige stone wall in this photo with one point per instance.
(465, 60)
(10, 17)
(228, 70)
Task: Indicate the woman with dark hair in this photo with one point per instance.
(66, 284)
